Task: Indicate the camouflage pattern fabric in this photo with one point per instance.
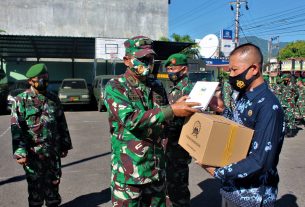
(301, 101)
(177, 159)
(288, 103)
(227, 95)
(40, 133)
(137, 113)
(125, 195)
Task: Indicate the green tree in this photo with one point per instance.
(189, 51)
(293, 50)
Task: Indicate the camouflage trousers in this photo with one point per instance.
(289, 118)
(43, 177)
(146, 195)
(177, 174)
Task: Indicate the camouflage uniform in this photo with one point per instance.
(177, 159)
(227, 95)
(301, 101)
(288, 104)
(137, 112)
(40, 133)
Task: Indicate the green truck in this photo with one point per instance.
(3, 92)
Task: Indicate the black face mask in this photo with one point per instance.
(41, 84)
(239, 82)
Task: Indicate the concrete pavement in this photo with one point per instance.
(86, 170)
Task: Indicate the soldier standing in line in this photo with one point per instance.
(227, 93)
(177, 159)
(40, 138)
(138, 109)
(288, 104)
(301, 98)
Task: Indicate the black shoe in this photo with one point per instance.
(290, 133)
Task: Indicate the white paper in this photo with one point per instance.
(202, 92)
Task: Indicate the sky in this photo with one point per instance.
(264, 19)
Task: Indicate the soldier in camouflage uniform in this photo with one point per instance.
(138, 108)
(40, 138)
(301, 98)
(227, 93)
(288, 104)
(177, 159)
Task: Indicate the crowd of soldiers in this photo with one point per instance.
(290, 91)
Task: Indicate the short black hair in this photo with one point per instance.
(245, 48)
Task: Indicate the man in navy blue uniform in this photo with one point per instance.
(252, 181)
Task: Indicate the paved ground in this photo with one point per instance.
(86, 171)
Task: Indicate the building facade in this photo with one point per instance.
(85, 18)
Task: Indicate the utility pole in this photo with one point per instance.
(237, 3)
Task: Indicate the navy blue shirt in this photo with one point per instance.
(253, 181)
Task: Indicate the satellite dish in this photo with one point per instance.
(209, 46)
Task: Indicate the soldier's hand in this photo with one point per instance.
(183, 99)
(183, 109)
(22, 161)
(64, 154)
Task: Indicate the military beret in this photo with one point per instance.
(139, 46)
(266, 77)
(36, 70)
(299, 79)
(176, 59)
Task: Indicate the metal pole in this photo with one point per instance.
(236, 40)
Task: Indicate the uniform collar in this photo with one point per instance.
(256, 91)
(182, 83)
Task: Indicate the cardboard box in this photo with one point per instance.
(215, 140)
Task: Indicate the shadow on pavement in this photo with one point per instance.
(90, 200)
(209, 197)
(22, 177)
(287, 200)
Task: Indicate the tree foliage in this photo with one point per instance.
(293, 50)
(189, 51)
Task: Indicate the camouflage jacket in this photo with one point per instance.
(289, 95)
(227, 95)
(182, 88)
(38, 125)
(301, 98)
(137, 113)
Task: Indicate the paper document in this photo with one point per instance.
(202, 92)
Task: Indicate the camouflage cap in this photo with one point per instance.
(36, 70)
(176, 59)
(303, 80)
(139, 46)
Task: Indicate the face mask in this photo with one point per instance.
(175, 76)
(142, 68)
(239, 82)
(41, 84)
